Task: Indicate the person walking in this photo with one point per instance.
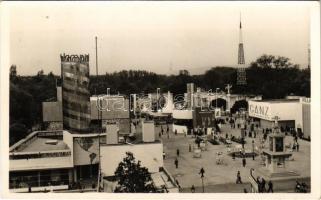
(244, 162)
(167, 130)
(233, 155)
(176, 163)
(175, 132)
(193, 189)
(238, 178)
(243, 142)
(270, 186)
(177, 152)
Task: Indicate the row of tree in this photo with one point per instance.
(270, 76)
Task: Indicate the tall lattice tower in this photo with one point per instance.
(241, 71)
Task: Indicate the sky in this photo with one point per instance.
(161, 37)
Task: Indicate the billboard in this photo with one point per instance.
(260, 110)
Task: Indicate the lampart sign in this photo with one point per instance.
(259, 110)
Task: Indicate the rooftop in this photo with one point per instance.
(40, 141)
(278, 100)
(39, 144)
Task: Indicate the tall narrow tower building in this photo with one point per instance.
(241, 71)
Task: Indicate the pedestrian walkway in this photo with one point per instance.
(187, 172)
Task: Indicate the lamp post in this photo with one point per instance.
(216, 96)
(157, 98)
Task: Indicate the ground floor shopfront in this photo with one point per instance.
(52, 179)
(292, 115)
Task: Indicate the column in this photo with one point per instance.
(75, 174)
(70, 173)
(228, 103)
(39, 181)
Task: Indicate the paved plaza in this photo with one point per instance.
(222, 178)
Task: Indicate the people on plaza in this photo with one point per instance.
(243, 142)
(244, 162)
(233, 155)
(202, 171)
(176, 163)
(193, 189)
(270, 186)
(238, 178)
(175, 132)
(177, 152)
(297, 147)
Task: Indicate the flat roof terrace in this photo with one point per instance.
(39, 144)
(278, 100)
(40, 141)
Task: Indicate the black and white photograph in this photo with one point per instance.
(160, 97)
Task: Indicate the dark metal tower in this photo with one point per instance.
(241, 71)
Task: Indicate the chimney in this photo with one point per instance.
(112, 134)
(148, 131)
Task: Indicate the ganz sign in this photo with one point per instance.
(259, 110)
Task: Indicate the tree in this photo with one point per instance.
(132, 177)
(40, 73)
(13, 71)
(239, 104)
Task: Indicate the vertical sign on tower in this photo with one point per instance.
(75, 93)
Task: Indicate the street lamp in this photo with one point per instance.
(157, 98)
(216, 96)
(202, 172)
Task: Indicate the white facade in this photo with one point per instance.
(297, 110)
(180, 128)
(182, 114)
(112, 155)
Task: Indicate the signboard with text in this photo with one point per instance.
(260, 110)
